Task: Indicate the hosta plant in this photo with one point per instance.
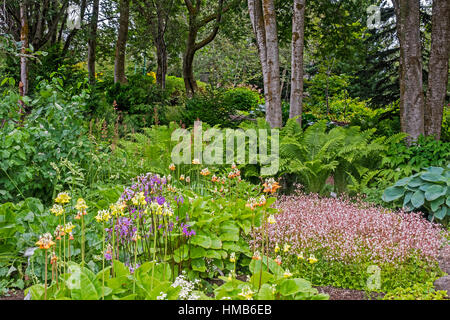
(429, 189)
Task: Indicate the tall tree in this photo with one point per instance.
(119, 61)
(438, 67)
(157, 16)
(411, 85)
(263, 16)
(24, 34)
(196, 22)
(92, 41)
(298, 32)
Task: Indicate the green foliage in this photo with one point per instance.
(273, 284)
(242, 99)
(219, 107)
(417, 291)
(81, 283)
(358, 276)
(429, 189)
(316, 154)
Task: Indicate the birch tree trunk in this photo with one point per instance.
(257, 20)
(119, 62)
(24, 33)
(411, 86)
(438, 68)
(298, 27)
(273, 113)
(92, 42)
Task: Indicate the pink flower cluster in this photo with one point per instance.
(346, 231)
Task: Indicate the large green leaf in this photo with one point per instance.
(435, 192)
(202, 241)
(292, 286)
(418, 199)
(432, 177)
(266, 292)
(442, 212)
(393, 193)
(198, 265)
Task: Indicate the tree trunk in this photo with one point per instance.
(188, 65)
(273, 113)
(438, 68)
(160, 43)
(92, 42)
(119, 62)
(298, 27)
(192, 46)
(411, 86)
(161, 71)
(24, 31)
(257, 20)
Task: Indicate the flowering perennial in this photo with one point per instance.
(342, 230)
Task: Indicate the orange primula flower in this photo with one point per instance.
(271, 186)
(45, 241)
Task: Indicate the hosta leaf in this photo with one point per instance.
(418, 199)
(435, 204)
(402, 182)
(415, 182)
(432, 177)
(393, 193)
(435, 170)
(441, 213)
(407, 198)
(435, 192)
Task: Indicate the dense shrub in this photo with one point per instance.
(217, 107)
(49, 148)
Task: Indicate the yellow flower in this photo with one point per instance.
(287, 274)
(68, 227)
(205, 172)
(182, 177)
(57, 210)
(277, 248)
(62, 198)
(271, 219)
(103, 216)
(300, 256)
(195, 161)
(233, 257)
(286, 247)
(139, 199)
(172, 167)
(312, 259)
(81, 205)
(246, 293)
